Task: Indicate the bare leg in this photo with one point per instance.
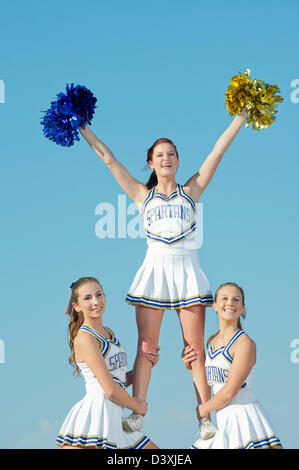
(192, 321)
(148, 324)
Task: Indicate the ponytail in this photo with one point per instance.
(75, 323)
(153, 180)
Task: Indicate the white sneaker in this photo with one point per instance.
(132, 423)
(206, 429)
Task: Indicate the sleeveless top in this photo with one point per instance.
(115, 357)
(169, 221)
(218, 363)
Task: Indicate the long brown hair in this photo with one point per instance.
(153, 180)
(232, 284)
(76, 318)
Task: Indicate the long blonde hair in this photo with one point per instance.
(76, 318)
(232, 284)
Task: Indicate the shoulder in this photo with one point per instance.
(246, 341)
(83, 338)
(192, 189)
(245, 346)
(189, 193)
(211, 341)
(141, 193)
(143, 197)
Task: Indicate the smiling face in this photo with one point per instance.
(91, 300)
(229, 303)
(164, 160)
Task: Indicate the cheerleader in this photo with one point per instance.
(231, 356)
(170, 276)
(95, 422)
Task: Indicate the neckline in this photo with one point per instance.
(110, 338)
(223, 347)
(166, 197)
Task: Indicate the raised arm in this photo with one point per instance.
(198, 182)
(134, 188)
(244, 358)
(88, 348)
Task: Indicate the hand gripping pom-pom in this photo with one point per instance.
(258, 97)
(71, 110)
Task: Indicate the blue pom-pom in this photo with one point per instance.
(71, 110)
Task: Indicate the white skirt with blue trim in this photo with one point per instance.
(95, 421)
(170, 280)
(242, 427)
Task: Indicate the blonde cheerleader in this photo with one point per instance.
(242, 422)
(95, 422)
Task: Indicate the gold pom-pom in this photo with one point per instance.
(259, 98)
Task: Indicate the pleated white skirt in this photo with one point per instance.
(170, 280)
(242, 427)
(96, 421)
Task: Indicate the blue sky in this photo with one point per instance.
(158, 69)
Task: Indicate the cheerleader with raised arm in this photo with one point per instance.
(171, 276)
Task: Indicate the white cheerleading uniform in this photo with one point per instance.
(170, 276)
(96, 420)
(243, 423)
